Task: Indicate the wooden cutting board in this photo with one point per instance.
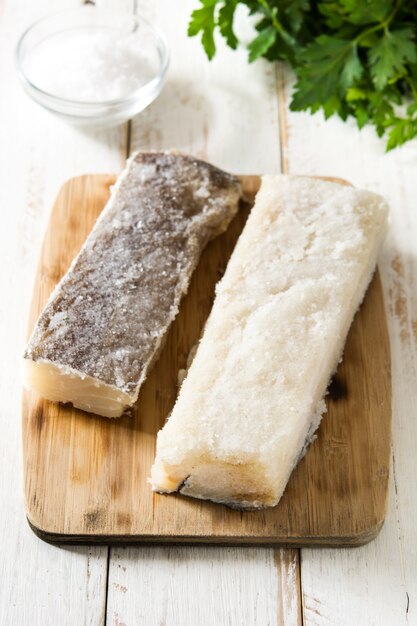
(86, 476)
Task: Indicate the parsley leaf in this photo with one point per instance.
(366, 11)
(328, 67)
(351, 58)
(402, 130)
(388, 57)
(262, 43)
(226, 16)
(203, 20)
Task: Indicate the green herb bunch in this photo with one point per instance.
(350, 57)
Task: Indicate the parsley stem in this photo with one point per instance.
(382, 26)
(275, 23)
(412, 87)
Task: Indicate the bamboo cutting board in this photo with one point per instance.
(86, 476)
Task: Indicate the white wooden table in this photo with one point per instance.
(236, 116)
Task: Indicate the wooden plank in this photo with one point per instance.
(197, 125)
(86, 477)
(289, 585)
(377, 584)
(200, 585)
(40, 584)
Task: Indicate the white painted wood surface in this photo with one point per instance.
(232, 114)
(194, 585)
(39, 584)
(376, 584)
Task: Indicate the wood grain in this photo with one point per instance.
(207, 585)
(86, 477)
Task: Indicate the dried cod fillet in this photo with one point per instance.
(106, 320)
(253, 396)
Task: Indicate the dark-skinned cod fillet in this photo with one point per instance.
(106, 320)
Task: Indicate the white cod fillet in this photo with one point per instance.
(253, 396)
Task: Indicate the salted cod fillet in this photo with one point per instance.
(105, 322)
(253, 396)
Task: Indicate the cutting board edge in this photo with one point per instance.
(349, 541)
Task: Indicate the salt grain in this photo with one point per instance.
(91, 65)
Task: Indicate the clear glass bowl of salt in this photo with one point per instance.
(92, 66)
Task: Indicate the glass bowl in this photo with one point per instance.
(92, 66)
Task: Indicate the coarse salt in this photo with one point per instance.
(92, 65)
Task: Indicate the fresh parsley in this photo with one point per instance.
(350, 57)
